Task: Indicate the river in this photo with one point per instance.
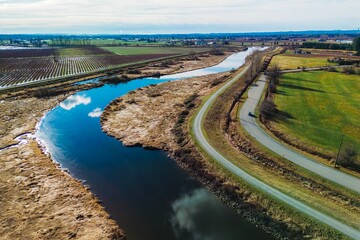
(147, 194)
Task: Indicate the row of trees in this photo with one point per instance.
(322, 45)
(268, 108)
(70, 42)
(335, 46)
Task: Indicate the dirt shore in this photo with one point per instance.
(37, 199)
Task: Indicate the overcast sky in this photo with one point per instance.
(170, 16)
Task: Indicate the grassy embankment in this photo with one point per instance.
(152, 50)
(213, 128)
(319, 108)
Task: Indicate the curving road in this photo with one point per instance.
(199, 135)
(252, 127)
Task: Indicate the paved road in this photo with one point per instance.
(197, 127)
(251, 126)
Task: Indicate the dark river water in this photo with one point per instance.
(147, 194)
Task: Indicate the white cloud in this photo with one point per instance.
(74, 101)
(95, 113)
(167, 16)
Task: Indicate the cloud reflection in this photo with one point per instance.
(191, 215)
(74, 101)
(199, 215)
(95, 113)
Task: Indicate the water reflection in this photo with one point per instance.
(74, 101)
(196, 216)
(95, 113)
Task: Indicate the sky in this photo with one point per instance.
(180, 16)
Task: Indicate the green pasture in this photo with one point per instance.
(294, 62)
(319, 108)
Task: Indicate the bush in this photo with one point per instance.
(349, 70)
(134, 71)
(217, 52)
(331, 69)
(347, 157)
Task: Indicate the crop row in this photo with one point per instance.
(18, 71)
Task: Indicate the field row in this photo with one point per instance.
(18, 71)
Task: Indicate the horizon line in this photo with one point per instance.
(189, 33)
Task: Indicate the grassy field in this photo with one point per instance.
(292, 61)
(80, 51)
(320, 107)
(151, 50)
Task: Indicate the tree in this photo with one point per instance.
(274, 72)
(356, 44)
(267, 109)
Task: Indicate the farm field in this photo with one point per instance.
(27, 65)
(151, 50)
(292, 61)
(80, 51)
(319, 108)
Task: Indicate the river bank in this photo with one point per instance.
(38, 199)
(56, 205)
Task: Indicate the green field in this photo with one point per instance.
(319, 107)
(79, 51)
(293, 62)
(151, 50)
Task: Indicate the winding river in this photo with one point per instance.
(148, 195)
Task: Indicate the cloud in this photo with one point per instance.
(74, 101)
(19, 1)
(95, 16)
(95, 113)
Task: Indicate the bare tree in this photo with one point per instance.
(267, 109)
(274, 72)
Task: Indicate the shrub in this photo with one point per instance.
(134, 71)
(217, 52)
(347, 157)
(331, 69)
(349, 70)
